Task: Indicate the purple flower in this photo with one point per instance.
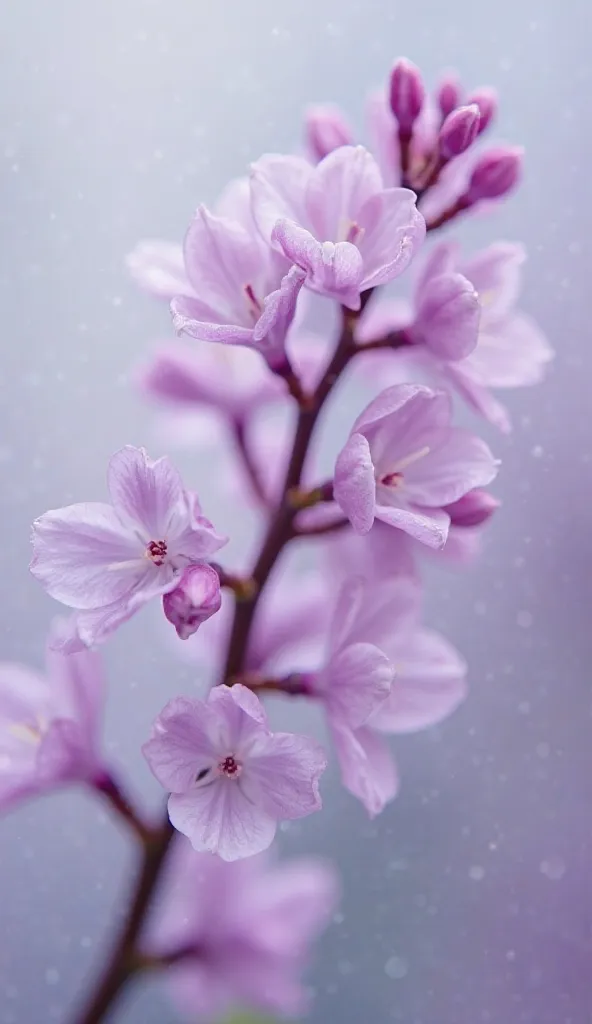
(459, 130)
(194, 600)
(158, 267)
(404, 462)
(336, 220)
(251, 923)
(510, 350)
(406, 93)
(49, 724)
(232, 380)
(384, 674)
(230, 778)
(244, 293)
(106, 561)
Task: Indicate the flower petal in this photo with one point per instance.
(430, 526)
(354, 486)
(338, 189)
(241, 719)
(158, 268)
(394, 232)
(85, 556)
(282, 775)
(496, 273)
(367, 768)
(448, 316)
(220, 819)
(183, 743)
(450, 470)
(277, 190)
(222, 258)
(145, 491)
(359, 680)
(192, 318)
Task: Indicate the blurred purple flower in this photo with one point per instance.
(336, 220)
(106, 561)
(49, 724)
(231, 780)
(251, 924)
(403, 463)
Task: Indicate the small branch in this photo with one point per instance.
(393, 340)
(405, 152)
(444, 218)
(299, 500)
(322, 529)
(297, 684)
(249, 465)
(108, 788)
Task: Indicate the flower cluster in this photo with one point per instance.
(335, 224)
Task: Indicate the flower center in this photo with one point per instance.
(350, 231)
(230, 767)
(394, 478)
(156, 551)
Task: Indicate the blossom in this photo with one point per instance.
(510, 349)
(49, 724)
(106, 561)
(251, 923)
(403, 463)
(244, 292)
(229, 777)
(412, 679)
(336, 220)
(194, 600)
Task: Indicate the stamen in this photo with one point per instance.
(230, 767)
(394, 478)
(26, 732)
(156, 551)
(253, 303)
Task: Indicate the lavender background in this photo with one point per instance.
(469, 900)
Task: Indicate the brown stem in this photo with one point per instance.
(447, 215)
(394, 339)
(106, 785)
(251, 469)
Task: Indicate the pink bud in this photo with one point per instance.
(406, 93)
(326, 129)
(473, 509)
(195, 598)
(486, 100)
(459, 131)
(496, 173)
(448, 95)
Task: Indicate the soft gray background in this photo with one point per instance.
(469, 901)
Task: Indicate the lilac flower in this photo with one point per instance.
(194, 600)
(230, 778)
(251, 923)
(49, 724)
(384, 674)
(106, 561)
(158, 268)
(244, 292)
(510, 351)
(231, 380)
(336, 220)
(403, 463)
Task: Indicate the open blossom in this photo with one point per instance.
(378, 621)
(510, 350)
(106, 561)
(231, 780)
(336, 220)
(251, 922)
(49, 724)
(404, 462)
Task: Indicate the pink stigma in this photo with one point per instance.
(391, 479)
(230, 767)
(156, 551)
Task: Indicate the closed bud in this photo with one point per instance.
(486, 100)
(325, 130)
(459, 131)
(406, 93)
(473, 509)
(194, 600)
(448, 95)
(496, 173)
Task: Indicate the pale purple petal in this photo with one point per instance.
(477, 396)
(393, 233)
(335, 270)
(283, 771)
(222, 258)
(401, 439)
(338, 189)
(92, 627)
(367, 768)
(290, 619)
(347, 610)
(354, 486)
(496, 274)
(220, 819)
(278, 184)
(294, 903)
(190, 317)
(441, 259)
(400, 396)
(448, 316)
(78, 678)
(241, 719)
(512, 353)
(85, 556)
(388, 609)
(182, 744)
(158, 267)
(463, 461)
(382, 317)
(269, 333)
(384, 135)
(145, 491)
(429, 526)
(429, 684)
(357, 681)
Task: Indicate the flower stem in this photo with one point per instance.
(251, 470)
(106, 785)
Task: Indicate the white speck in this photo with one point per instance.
(537, 452)
(525, 619)
(52, 976)
(476, 873)
(524, 707)
(345, 967)
(511, 954)
(553, 868)
(86, 942)
(339, 918)
(543, 749)
(480, 608)
(396, 968)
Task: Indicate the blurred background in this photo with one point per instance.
(469, 900)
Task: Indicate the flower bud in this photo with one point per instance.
(473, 509)
(447, 318)
(195, 598)
(448, 95)
(459, 131)
(496, 173)
(406, 93)
(326, 129)
(486, 100)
